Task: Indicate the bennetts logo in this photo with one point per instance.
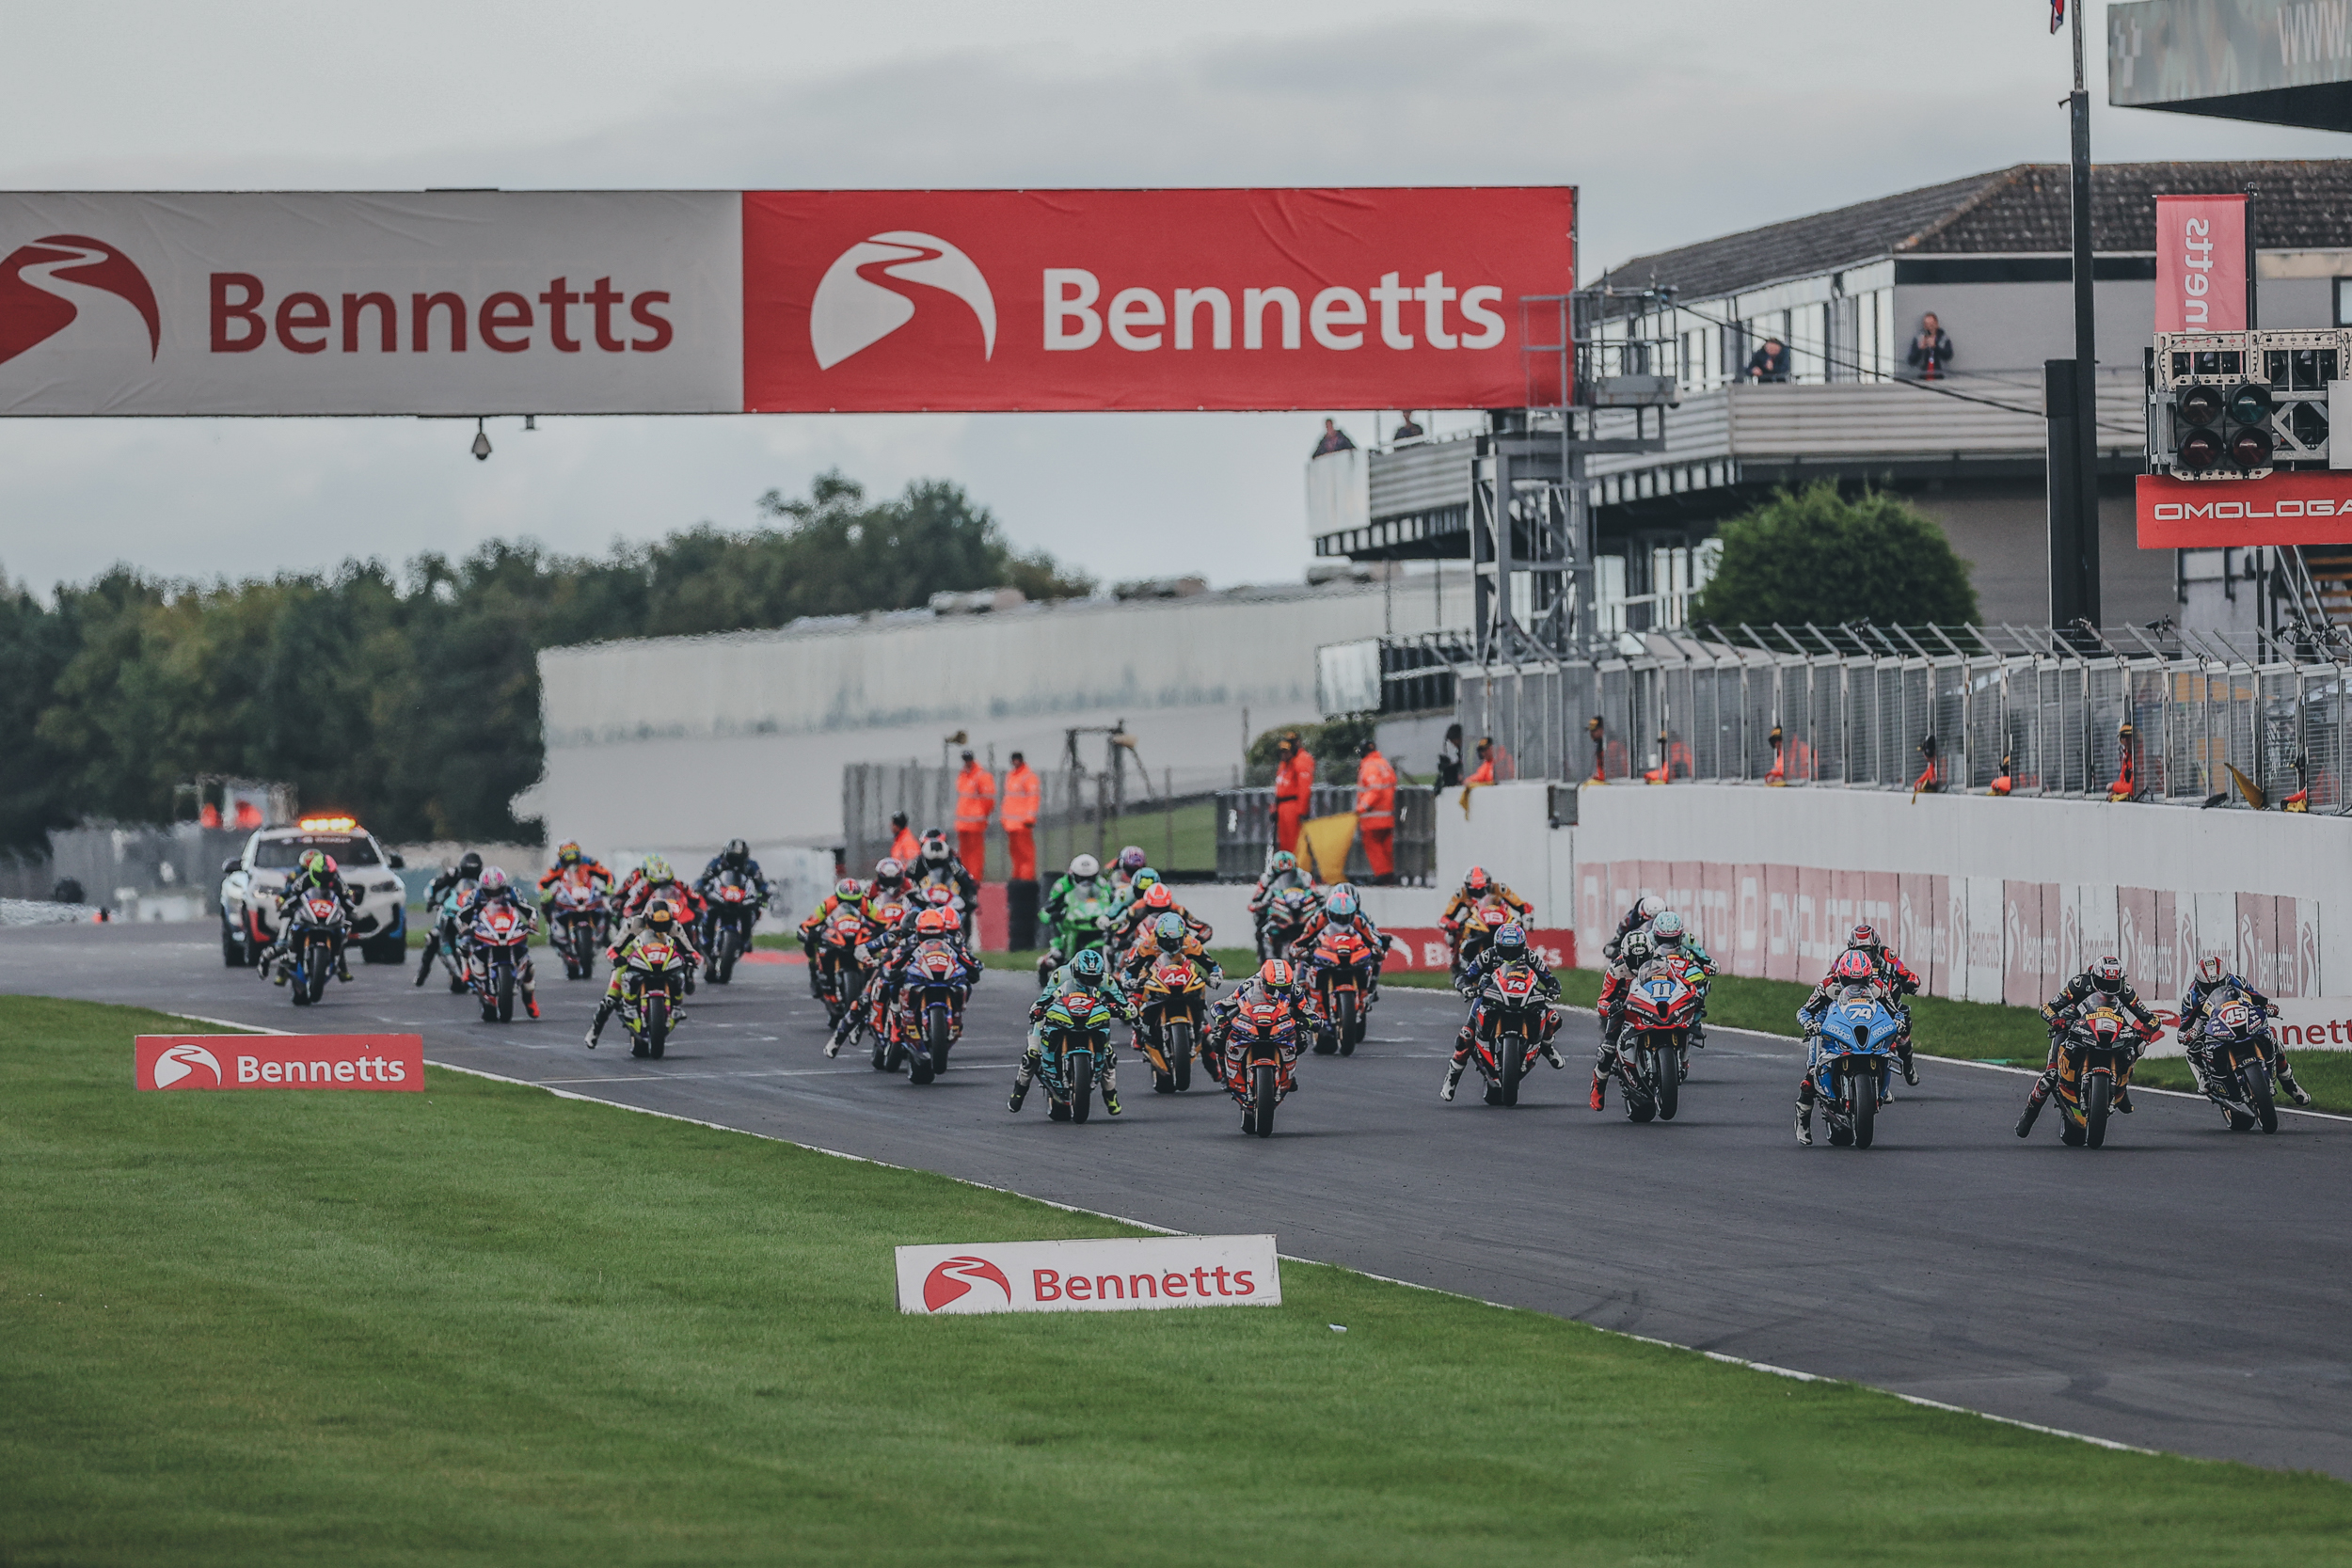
(953, 1280)
(38, 282)
(856, 306)
(182, 1060)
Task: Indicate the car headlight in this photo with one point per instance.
(387, 887)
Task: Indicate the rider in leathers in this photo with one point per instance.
(1634, 954)
(940, 867)
(1281, 871)
(1274, 982)
(736, 857)
(1343, 910)
(1509, 946)
(316, 873)
(2213, 976)
(2103, 984)
(1143, 914)
(932, 925)
(660, 923)
(468, 869)
(1645, 908)
(1089, 972)
(1893, 974)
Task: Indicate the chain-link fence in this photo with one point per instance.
(1937, 708)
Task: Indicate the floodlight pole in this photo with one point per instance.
(2074, 530)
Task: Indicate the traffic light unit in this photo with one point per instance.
(2243, 405)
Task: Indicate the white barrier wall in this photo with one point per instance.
(1990, 900)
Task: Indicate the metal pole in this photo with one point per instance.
(2253, 314)
(2083, 564)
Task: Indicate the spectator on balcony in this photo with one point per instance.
(1931, 350)
(1769, 363)
(1409, 429)
(1449, 757)
(1334, 439)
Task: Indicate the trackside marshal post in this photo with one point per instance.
(1141, 1274)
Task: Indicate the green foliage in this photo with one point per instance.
(1816, 555)
(415, 704)
(480, 1324)
(1332, 745)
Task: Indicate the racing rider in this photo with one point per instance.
(1343, 909)
(1089, 972)
(1509, 947)
(2213, 975)
(1645, 908)
(1275, 985)
(658, 924)
(315, 873)
(1854, 971)
(468, 869)
(1634, 954)
(1281, 872)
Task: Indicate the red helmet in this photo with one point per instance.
(932, 923)
(1274, 974)
(1864, 937)
(327, 864)
(1156, 896)
(1476, 881)
(1854, 968)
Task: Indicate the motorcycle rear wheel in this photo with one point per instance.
(1262, 1092)
(2095, 1106)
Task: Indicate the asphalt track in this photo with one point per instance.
(2184, 1289)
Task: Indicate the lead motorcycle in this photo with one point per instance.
(1517, 1021)
(316, 924)
(733, 909)
(1662, 1007)
(1852, 1059)
(2094, 1055)
(2235, 1061)
(497, 959)
(1345, 967)
(1077, 1036)
(653, 986)
(1262, 1033)
(928, 1019)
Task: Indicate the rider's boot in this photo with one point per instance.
(2123, 1099)
(1550, 1055)
(1902, 1052)
(1021, 1078)
(342, 965)
(1600, 1092)
(424, 965)
(531, 1001)
(2286, 1077)
(604, 1011)
(1110, 1100)
(1804, 1122)
(2035, 1101)
(1452, 1081)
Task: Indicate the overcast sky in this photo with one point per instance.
(1679, 120)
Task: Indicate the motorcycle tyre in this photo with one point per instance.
(1669, 1083)
(1179, 1048)
(2258, 1094)
(505, 994)
(2095, 1108)
(1081, 1082)
(1262, 1093)
(301, 989)
(1513, 1065)
(1350, 1032)
(657, 1025)
(920, 1069)
(938, 1037)
(1865, 1110)
(315, 979)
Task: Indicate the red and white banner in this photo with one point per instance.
(2201, 263)
(1424, 947)
(2304, 1023)
(1131, 1275)
(392, 1062)
(2289, 507)
(471, 303)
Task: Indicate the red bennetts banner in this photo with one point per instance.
(1426, 947)
(885, 301)
(2303, 507)
(2201, 263)
(392, 1062)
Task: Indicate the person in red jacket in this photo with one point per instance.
(904, 847)
(975, 801)
(1375, 811)
(1294, 788)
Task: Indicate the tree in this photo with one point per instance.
(1816, 555)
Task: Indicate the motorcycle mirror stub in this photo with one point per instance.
(1141, 1274)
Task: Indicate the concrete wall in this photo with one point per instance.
(2001, 530)
(1992, 899)
(745, 735)
(1997, 327)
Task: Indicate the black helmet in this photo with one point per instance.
(737, 852)
(470, 864)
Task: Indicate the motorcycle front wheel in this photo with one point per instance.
(1263, 1090)
(657, 1023)
(1078, 1072)
(2095, 1106)
(1513, 1053)
(1669, 1081)
(1351, 1030)
(2256, 1075)
(938, 1035)
(1178, 1033)
(1864, 1095)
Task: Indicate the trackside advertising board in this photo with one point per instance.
(2304, 1023)
(2288, 507)
(706, 302)
(1134, 1275)
(1426, 947)
(176, 1062)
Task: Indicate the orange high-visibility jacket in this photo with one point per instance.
(976, 797)
(1021, 789)
(1295, 779)
(1375, 793)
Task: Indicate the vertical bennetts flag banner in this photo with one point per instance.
(2201, 263)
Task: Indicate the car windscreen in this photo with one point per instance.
(284, 854)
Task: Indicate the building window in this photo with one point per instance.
(2344, 302)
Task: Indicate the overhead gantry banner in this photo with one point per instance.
(635, 302)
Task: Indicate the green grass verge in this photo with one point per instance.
(2326, 1076)
(486, 1325)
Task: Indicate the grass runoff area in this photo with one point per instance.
(484, 1325)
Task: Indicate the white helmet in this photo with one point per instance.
(1651, 907)
(1086, 867)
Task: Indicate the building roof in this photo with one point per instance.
(2023, 209)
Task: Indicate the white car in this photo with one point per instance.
(250, 882)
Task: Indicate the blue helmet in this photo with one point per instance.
(1090, 965)
(1512, 939)
(1170, 929)
(1342, 902)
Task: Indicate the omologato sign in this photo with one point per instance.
(2288, 507)
(707, 302)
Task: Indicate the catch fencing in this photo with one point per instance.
(1931, 708)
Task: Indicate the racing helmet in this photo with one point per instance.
(1090, 965)
(495, 879)
(1650, 907)
(936, 847)
(1511, 941)
(1142, 882)
(1274, 974)
(1085, 867)
(1667, 931)
(1854, 968)
(568, 853)
(1170, 929)
(934, 922)
(1283, 860)
(1864, 937)
(1132, 860)
(657, 870)
(469, 865)
(1156, 896)
(2108, 974)
(308, 860)
(1341, 903)
(888, 873)
(2210, 969)
(736, 853)
(325, 866)
(1638, 949)
(1475, 879)
(849, 888)
(659, 916)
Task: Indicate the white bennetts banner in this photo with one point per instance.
(1126, 1275)
(436, 303)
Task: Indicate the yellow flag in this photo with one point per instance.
(2255, 796)
(1323, 842)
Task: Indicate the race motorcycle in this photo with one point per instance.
(450, 926)
(497, 960)
(1853, 1056)
(1345, 966)
(315, 923)
(2093, 1056)
(1661, 1005)
(653, 979)
(2238, 1070)
(1513, 1030)
(1285, 917)
(929, 1015)
(731, 911)
(840, 975)
(1265, 1033)
(1477, 931)
(1078, 1035)
(578, 922)
(1170, 1001)
(1085, 922)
